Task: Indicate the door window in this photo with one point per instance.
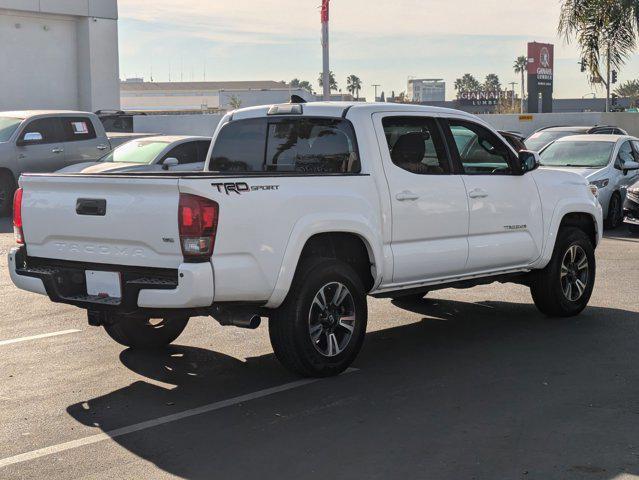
(76, 129)
(480, 151)
(185, 153)
(49, 128)
(625, 154)
(202, 150)
(415, 145)
(635, 145)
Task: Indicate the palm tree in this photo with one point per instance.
(467, 83)
(332, 83)
(306, 86)
(606, 32)
(520, 66)
(629, 89)
(492, 83)
(353, 85)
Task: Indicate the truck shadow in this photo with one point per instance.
(490, 390)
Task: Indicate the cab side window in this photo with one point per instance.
(415, 145)
(76, 129)
(480, 151)
(49, 128)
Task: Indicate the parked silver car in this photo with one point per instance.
(608, 161)
(174, 153)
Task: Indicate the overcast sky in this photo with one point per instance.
(381, 41)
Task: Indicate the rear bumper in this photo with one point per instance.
(189, 286)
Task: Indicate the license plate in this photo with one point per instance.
(103, 284)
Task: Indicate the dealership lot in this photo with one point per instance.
(467, 384)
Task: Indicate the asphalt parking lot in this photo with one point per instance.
(466, 384)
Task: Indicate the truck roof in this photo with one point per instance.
(23, 114)
(336, 109)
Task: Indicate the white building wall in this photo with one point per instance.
(59, 54)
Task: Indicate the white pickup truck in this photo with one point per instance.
(302, 211)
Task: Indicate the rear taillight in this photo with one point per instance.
(197, 219)
(17, 216)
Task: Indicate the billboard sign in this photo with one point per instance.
(481, 98)
(541, 58)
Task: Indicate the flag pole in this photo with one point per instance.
(325, 51)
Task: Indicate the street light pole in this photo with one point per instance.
(325, 51)
(376, 86)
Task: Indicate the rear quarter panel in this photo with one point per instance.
(263, 228)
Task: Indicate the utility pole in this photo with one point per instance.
(376, 86)
(325, 51)
(608, 78)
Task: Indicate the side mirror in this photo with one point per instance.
(627, 166)
(31, 137)
(169, 162)
(529, 161)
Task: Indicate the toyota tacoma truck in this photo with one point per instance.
(304, 210)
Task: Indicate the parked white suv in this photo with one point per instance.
(302, 212)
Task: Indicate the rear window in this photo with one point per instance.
(295, 145)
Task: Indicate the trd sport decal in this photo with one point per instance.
(242, 187)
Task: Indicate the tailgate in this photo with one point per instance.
(110, 220)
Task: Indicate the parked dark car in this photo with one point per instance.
(631, 208)
(542, 137)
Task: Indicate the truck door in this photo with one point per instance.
(506, 226)
(40, 146)
(82, 143)
(429, 205)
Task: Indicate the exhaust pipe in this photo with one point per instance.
(240, 317)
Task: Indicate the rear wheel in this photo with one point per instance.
(145, 332)
(320, 328)
(564, 287)
(615, 212)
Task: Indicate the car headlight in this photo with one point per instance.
(594, 190)
(601, 183)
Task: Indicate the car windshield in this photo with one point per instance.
(136, 151)
(539, 140)
(577, 154)
(8, 125)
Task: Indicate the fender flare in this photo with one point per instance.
(565, 207)
(312, 225)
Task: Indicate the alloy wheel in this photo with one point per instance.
(331, 319)
(575, 273)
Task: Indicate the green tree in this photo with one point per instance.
(629, 89)
(332, 83)
(492, 82)
(235, 102)
(606, 32)
(303, 84)
(467, 83)
(353, 85)
(520, 66)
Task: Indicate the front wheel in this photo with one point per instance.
(633, 228)
(320, 328)
(564, 287)
(615, 212)
(145, 332)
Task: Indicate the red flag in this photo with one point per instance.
(325, 11)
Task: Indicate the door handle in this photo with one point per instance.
(406, 196)
(57, 150)
(101, 147)
(478, 193)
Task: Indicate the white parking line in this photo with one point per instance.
(81, 442)
(36, 337)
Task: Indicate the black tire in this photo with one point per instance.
(615, 212)
(412, 298)
(7, 189)
(290, 325)
(633, 228)
(548, 285)
(145, 333)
